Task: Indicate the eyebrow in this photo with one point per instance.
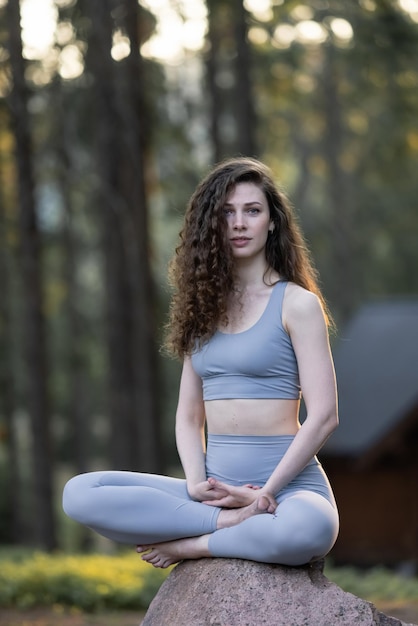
(245, 203)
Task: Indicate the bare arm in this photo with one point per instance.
(190, 435)
(190, 420)
(304, 319)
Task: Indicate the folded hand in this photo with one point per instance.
(207, 492)
(233, 497)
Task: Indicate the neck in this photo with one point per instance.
(250, 275)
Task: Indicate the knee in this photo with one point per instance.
(307, 537)
(75, 499)
(310, 543)
(319, 538)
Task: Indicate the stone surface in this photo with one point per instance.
(233, 592)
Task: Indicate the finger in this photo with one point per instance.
(218, 484)
(218, 502)
(272, 506)
(215, 494)
(223, 503)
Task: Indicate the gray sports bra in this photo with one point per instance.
(257, 363)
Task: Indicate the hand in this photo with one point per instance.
(207, 492)
(236, 497)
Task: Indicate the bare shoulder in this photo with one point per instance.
(300, 301)
(301, 306)
(190, 382)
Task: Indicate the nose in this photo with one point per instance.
(239, 222)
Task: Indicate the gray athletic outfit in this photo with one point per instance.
(138, 508)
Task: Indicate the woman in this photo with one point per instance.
(249, 322)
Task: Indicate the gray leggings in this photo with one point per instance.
(136, 508)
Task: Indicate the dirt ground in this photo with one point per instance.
(408, 613)
(55, 617)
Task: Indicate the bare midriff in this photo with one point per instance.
(252, 417)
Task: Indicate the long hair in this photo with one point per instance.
(202, 269)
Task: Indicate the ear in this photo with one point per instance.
(271, 227)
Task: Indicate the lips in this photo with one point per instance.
(239, 242)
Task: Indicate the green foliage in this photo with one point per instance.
(124, 582)
(375, 584)
(88, 582)
(336, 126)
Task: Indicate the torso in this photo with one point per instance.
(251, 416)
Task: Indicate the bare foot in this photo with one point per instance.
(231, 517)
(165, 554)
(169, 552)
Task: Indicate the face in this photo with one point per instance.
(248, 221)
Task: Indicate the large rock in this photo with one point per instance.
(233, 592)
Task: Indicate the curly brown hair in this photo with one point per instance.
(202, 269)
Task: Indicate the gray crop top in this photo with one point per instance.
(256, 363)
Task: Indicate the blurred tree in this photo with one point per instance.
(246, 117)
(70, 333)
(32, 300)
(336, 87)
(135, 137)
(229, 80)
(74, 333)
(11, 529)
(121, 145)
(342, 235)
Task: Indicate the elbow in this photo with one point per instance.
(331, 422)
(323, 427)
(326, 422)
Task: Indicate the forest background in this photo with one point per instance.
(110, 112)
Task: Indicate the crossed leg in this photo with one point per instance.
(169, 552)
(157, 514)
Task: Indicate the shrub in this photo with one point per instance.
(88, 582)
(374, 584)
(123, 581)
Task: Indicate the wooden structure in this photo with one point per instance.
(372, 458)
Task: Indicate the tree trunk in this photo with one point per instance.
(15, 528)
(77, 416)
(228, 71)
(245, 110)
(215, 91)
(32, 301)
(75, 365)
(118, 302)
(130, 298)
(134, 137)
(341, 231)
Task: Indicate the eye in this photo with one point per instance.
(253, 211)
(227, 211)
